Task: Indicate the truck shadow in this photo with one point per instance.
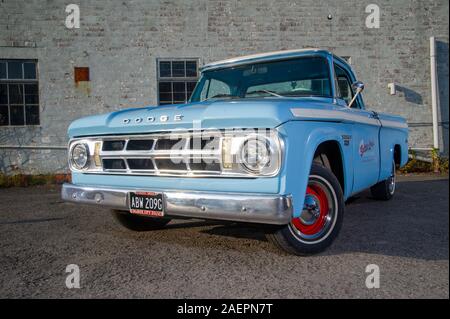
(414, 224)
(223, 228)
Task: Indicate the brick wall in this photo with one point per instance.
(121, 40)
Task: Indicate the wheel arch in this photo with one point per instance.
(334, 157)
(305, 139)
(393, 146)
(398, 155)
(394, 152)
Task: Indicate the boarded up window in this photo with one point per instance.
(81, 74)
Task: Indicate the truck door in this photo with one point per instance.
(365, 134)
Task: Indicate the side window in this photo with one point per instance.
(344, 86)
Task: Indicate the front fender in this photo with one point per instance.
(301, 140)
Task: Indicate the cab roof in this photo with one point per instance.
(263, 57)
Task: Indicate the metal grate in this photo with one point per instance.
(161, 155)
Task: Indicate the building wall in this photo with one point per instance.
(120, 41)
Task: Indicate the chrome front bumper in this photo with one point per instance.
(254, 208)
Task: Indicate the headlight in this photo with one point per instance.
(255, 154)
(79, 156)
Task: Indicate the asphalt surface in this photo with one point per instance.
(406, 237)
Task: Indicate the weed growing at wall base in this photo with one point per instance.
(22, 180)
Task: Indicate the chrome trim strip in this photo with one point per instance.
(333, 115)
(393, 124)
(254, 208)
(345, 115)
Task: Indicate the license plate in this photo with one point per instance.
(147, 203)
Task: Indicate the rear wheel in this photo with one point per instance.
(139, 223)
(320, 219)
(385, 190)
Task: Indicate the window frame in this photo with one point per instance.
(359, 104)
(22, 82)
(172, 79)
(326, 60)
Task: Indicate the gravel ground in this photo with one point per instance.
(406, 237)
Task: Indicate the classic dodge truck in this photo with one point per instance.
(281, 139)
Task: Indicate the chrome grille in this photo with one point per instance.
(155, 155)
(191, 154)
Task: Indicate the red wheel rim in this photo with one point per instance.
(317, 192)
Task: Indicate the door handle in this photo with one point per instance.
(374, 115)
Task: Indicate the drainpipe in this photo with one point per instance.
(434, 93)
(434, 104)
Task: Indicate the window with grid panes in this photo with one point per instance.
(176, 80)
(19, 93)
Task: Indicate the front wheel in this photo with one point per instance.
(320, 219)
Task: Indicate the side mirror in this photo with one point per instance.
(357, 87)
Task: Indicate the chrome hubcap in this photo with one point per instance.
(319, 214)
(311, 210)
(392, 180)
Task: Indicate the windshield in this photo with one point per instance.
(307, 76)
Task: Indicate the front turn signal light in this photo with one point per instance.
(227, 157)
(97, 160)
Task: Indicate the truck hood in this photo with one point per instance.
(223, 114)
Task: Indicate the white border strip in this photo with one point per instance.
(344, 115)
(333, 115)
(393, 124)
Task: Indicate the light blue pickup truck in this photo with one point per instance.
(281, 139)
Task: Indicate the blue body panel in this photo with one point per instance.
(269, 185)
(366, 140)
(390, 137)
(301, 140)
(249, 113)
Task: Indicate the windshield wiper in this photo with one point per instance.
(217, 96)
(264, 91)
